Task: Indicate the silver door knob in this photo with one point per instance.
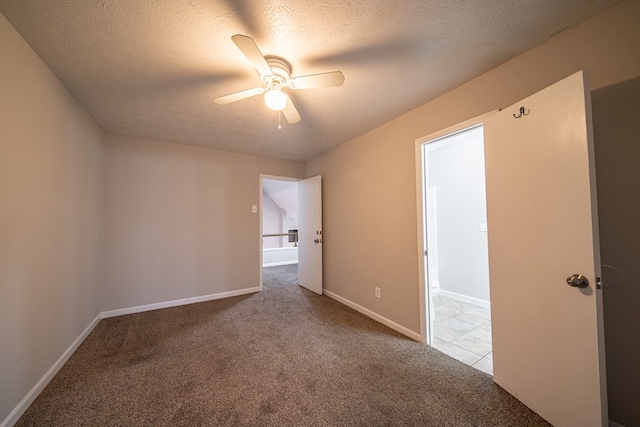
(577, 281)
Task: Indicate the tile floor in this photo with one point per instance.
(463, 331)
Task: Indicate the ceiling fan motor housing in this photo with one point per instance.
(281, 72)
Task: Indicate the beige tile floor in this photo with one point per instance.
(463, 331)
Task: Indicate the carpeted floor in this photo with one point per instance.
(282, 357)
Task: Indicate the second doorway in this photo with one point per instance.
(457, 266)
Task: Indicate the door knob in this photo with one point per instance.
(577, 281)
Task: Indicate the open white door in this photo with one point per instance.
(548, 343)
(310, 234)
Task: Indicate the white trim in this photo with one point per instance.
(177, 302)
(465, 298)
(275, 264)
(422, 277)
(375, 316)
(17, 412)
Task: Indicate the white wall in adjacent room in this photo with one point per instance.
(456, 169)
(271, 222)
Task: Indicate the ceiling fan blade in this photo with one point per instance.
(290, 112)
(330, 79)
(227, 99)
(253, 54)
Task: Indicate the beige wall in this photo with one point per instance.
(370, 219)
(171, 221)
(50, 212)
(178, 221)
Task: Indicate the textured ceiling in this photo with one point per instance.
(151, 68)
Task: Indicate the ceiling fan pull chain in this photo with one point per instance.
(279, 117)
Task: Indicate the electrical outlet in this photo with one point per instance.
(377, 292)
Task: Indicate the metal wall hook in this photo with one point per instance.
(522, 113)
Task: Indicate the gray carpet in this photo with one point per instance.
(282, 357)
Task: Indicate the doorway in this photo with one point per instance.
(456, 261)
(291, 213)
(279, 230)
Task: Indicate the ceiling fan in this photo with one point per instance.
(275, 73)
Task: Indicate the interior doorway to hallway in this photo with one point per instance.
(291, 212)
(456, 251)
(279, 227)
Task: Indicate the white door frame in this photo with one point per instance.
(423, 288)
(278, 178)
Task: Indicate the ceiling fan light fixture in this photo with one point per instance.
(275, 73)
(275, 99)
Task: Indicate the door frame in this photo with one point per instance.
(276, 178)
(423, 288)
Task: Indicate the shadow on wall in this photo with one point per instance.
(616, 113)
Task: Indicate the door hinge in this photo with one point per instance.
(425, 252)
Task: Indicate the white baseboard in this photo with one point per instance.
(275, 264)
(177, 302)
(465, 298)
(17, 412)
(614, 424)
(375, 316)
